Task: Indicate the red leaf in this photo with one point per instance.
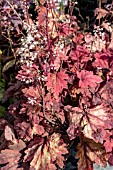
(56, 83)
(101, 60)
(38, 129)
(110, 160)
(20, 145)
(65, 29)
(87, 78)
(9, 134)
(108, 144)
(27, 74)
(78, 38)
(45, 154)
(93, 122)
(80, 53)
(60, 56)
(24, 130)
(107, 92)
(32, 94)
(12, 156)
(90, 152)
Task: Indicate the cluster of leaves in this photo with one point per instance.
(61, 90)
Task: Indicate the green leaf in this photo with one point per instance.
(2, 111)
(2, 88)
(2, 83)
(8, 65)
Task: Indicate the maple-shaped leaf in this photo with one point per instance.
(46, 154)
(92, 122)
(74, 116)
(27, 74)
(9, 134)
(98, 119)
(60, 56)
(65, 29)
(56, 83)
(78, 38)
(108, 144)
(80, 53)
(24, 130)
(90, 152)
(12, 156)
(101, 60)
(32, 94)
(38, 129)
(87, 78)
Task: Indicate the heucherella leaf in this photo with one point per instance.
(56, 83)
(59, 87)
(9, 134)
(46, 154)
(92, 122)
(87, 78)
(12, 156)
(89, 152)
(32, 94)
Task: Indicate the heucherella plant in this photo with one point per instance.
(61, 91)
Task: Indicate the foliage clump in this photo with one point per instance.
(60, 90)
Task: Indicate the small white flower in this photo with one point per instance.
(23, 80)
(26, 46)
(21, 60)
(28, 71)
(44, 78)
(76, 2)
(27, 63)
(37, 36)
(26, 55)
(22, 49)
(27, 81)
(31, 101)
(32, 58)
(20, 52)
(32, 46)
(45, 39)
(39, 78)
(29, 38)
(35, 42)
(30, 80)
